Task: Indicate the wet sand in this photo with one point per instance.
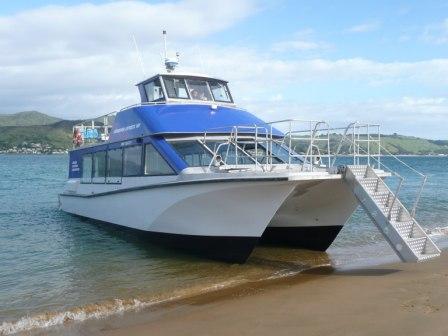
(395, 299)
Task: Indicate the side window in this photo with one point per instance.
(132, 157)
(114, 165)
(220, 91)
(99, 167)
(86, 168)
(154, 90)
(155, 164)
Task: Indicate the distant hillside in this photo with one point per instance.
(28, 118)
(399, 144)
(55, 136)
(26, 129)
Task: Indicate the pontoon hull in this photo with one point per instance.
(312, 216)
(218, 220)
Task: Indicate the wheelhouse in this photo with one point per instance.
(185, 88)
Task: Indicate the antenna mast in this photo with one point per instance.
(170, 63)
(164, 42)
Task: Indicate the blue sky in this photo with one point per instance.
(379, 61)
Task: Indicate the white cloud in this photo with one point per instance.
(303, 40)
(365, 27)
(72, 52)
(437, 33)
(79, 62)
(401, 115)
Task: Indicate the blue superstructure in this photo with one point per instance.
(177, 108)
(166, 119)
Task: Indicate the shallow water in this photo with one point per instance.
(54, 263)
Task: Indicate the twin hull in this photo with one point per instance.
(226, 220)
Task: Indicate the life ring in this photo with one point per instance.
(77, 138)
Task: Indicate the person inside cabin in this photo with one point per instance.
(194, 94)
(77, 138)
(198, 94)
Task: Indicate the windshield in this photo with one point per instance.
(199, 89)
(176, 88)
(190, 88)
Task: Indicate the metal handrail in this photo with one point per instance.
(381, 164)
(395, 197)
(264, 134)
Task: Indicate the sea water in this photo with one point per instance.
(56, 268)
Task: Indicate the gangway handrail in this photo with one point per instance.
(381, 164)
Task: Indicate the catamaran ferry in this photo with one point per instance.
(193, 171)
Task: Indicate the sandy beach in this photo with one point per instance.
(397, 299)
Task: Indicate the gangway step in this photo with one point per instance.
(399, 228)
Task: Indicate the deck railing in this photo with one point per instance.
(93, 131)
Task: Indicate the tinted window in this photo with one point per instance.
(193, 153)
(132, 157)
(220, 91)
(227, 152)
(284, 154)
(259, 153)
(154, 90)
(115, 163)
(175, 88)
(155, 164)
(99, 165)
(87, 168)
(199, 89)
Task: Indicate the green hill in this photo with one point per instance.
(27, 118)
(26, 129)
(55, 136)
(399, 144)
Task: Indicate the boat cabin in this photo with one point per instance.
(184, 88)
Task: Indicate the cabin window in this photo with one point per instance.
(155, 164)
(132, 158)
(227, 152)
(86, 168)
(260, 153)
(199, 89)
(154, 90)
(284, 153)
(220, 91)
(114, 165)
(176, 88)
(193, 153)
(99, 167)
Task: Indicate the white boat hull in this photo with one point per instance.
(222, 219)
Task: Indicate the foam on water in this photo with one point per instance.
(119, 306)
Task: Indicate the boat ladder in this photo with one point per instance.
(400, 229)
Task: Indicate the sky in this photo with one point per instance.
(371, 61)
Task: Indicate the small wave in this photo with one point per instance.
(438, 231)
(118, 306)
